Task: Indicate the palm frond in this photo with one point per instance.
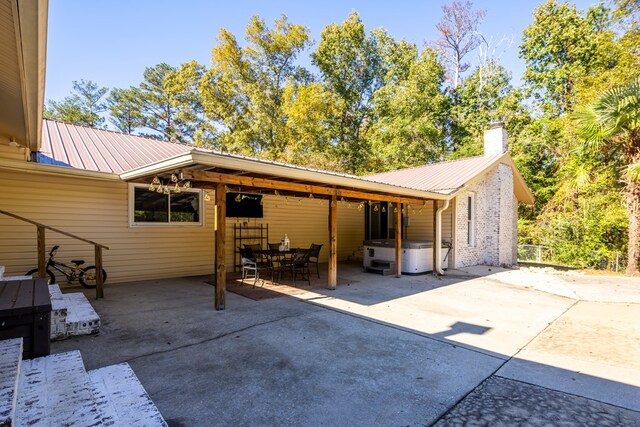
(632, 172)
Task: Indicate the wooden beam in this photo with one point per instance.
(99, 276)
(272, 184)
(42, 259)
(220, 256)
(332, 278)
(398, 242)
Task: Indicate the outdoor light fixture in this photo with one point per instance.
(159, 186)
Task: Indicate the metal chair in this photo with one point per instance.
(314, 255)
(299, 263)
(250, 264)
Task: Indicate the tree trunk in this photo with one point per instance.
(633, 213)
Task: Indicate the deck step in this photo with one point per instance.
(56, 390)
(82, 319)
(58, 313)
(381, 267)
(72, 314)
(10, 361)
(122, 400)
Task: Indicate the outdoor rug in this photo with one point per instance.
(267, 289)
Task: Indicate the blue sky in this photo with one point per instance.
(111, 42)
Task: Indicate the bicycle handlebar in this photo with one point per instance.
(53, 250)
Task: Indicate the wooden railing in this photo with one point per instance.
(42, 260)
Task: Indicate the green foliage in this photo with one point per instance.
(585, 221)
(354, 65)
(124, 109)
(410, 114)
(485, 96)
(242, 92)
(82, 107)
(560, 48)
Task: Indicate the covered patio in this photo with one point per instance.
(223, 173)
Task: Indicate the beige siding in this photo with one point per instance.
(421, 223)
(11, 153)
(96, 210)
(304, 223)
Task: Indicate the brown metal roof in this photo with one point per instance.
(101, 150)
(443, 177)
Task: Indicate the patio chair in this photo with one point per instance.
(251, 265)
(314, 255)
(274, 253)
(299, 263)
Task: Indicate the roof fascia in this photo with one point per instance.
(31, 167)
(520, 188)
(276, 170)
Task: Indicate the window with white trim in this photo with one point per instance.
(153, 208)
(471, 219)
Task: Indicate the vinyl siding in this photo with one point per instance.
(97, 210)
(304, 224)
(11, 153)
(422, 223)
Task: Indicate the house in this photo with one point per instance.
(165, 209)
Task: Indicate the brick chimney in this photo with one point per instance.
(495, 139)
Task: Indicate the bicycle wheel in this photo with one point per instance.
(88, 277)
(52, 277)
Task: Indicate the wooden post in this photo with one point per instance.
(332, 278)
(42, 260)
(221, 270)
(398, 241)
(99, 277)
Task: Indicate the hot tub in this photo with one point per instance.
(417, 255)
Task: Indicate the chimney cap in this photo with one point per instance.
(496, 124)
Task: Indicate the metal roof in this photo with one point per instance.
(101, 150)
(133, 157)
(443, 177)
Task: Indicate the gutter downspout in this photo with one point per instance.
(438, 239)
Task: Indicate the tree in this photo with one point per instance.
(610, 125)
(410, 111)
(485, 96)
(124, 109)
(458, 36)
(157, 105)
(354, 65)
(184, 89)
(242, 92)
(562, 47)
(82, 107)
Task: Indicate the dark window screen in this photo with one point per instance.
(150, 206)
(185, 207)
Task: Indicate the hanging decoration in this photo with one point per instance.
(177, 185)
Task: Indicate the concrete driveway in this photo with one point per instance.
(480, 347)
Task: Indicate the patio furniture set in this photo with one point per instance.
(257, 261)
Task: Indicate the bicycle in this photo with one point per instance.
(72, 271)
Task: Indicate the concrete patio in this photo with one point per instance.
(477, 345)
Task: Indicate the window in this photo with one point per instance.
(471, 219)
(153, 208)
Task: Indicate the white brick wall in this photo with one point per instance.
(495, 221)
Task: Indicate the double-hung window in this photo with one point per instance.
(153, 208)
(471, 219)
